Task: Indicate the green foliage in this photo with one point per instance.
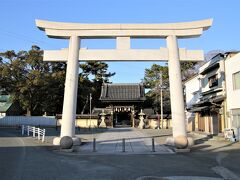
(97, 70)
(24, 76)
(188, 69)
(152, 80)
(152, 76)
(39, 86)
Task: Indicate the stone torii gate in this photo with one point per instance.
(123, 52)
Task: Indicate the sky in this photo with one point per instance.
(19, 32)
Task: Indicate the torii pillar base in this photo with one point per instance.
(76, 141)
(180, 143)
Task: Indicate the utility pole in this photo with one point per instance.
(160, 87)
(90, 110)
(161, 98)
(157, 98)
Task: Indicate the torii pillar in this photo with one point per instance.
(123, 52)
(71, 89)
(176, 94)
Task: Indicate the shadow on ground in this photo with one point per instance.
(25, 158)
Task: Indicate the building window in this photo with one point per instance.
(213, 81)
(236, 80)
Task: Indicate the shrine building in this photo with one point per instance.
(123, 101)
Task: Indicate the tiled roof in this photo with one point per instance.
(4, 98)
(5, 106)
(4, 103)
(122, 92)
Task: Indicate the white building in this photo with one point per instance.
(213, 94)
(232, 71)
(192, 96)
(215, 101)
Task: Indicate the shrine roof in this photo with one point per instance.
(122, 93)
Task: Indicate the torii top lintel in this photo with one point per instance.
(66, 30)
(123, 33)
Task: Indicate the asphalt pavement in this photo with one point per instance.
(27, 158)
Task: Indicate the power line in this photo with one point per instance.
(23, 37)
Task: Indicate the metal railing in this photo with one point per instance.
(35, 132)
(123, 145)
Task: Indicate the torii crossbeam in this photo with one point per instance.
(123, 52)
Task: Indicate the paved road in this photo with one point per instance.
(124, 141)
(27, 159)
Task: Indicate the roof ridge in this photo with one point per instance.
(117, 84)
(122, 91)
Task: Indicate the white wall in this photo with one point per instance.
(27, 120)
(192, 91)
(2, 114)
(232, 65)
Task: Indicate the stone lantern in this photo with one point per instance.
(103, 124)
(141, 117)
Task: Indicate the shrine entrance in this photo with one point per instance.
(122, 119)
(123, 116)
(123, 33)
(125, 100)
